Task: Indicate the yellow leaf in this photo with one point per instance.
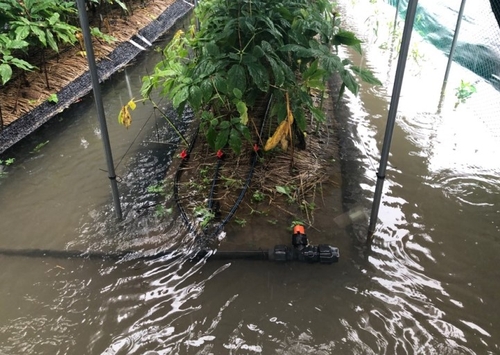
(284, 129)
(192, 31)
(280, 132)
(131, 104)
(178, 35)
(124, 117)
(284, 143)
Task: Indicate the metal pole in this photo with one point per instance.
(82, 12)
(396, 16)
(393, 109)
(452, 49)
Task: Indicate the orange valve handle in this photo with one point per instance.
(299, 229)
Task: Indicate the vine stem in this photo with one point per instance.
(181, 136)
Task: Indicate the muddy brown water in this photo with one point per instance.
(428, 285)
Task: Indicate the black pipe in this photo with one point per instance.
(134, 255)
(322, 253)
(214, 185)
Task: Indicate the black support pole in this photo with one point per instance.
(393, 109)
(452, 51)
(84, 23)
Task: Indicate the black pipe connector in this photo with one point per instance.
(322, 253)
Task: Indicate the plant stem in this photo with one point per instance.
(181, 136)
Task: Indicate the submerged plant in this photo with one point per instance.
(4, 163)
(39, 146)
(463, 92)
(204, 215)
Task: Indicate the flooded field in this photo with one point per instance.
(426, 286)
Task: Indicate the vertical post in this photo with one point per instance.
(396, 16)
(84, 23)
(393, 109)
(197, 19)
(452, 51)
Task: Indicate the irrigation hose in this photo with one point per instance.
(216, 231)
(134, 256)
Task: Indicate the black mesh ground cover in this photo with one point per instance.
(123, 54)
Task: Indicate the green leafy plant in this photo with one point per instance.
(258, 196)
(287, 191)
(463, 92)
(158, 188)
(161, 211)
(162, 188)
(5, 163)
(245, 49)
(204, 215)
(307, 206)
(7, 60)
(241, 222)
(39, 146)
(43, 24)
(53, 99)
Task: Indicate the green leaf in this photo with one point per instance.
(332, 63)
(224, 125)
(349, 81)
(18, 44)
(236, 77)
(349, 39)
(220, 84)
(278, 73)
(39, 34)
(180, 97)
(5, 73)
(222, 138)
(51, 41)
(366, 75)
(53, 99)
(235, 141)
(243, 111)
(53, 19)
(204, 69)
(22, 32)
(195, 97)
(259, 75)
(318, 114)
(211, 136)
(122, 5)
(257, 51)
(237, 93)
(245, 132)
(207, 90)
(300, 51)
(212, 49)
(283, 190)
(21, 64)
